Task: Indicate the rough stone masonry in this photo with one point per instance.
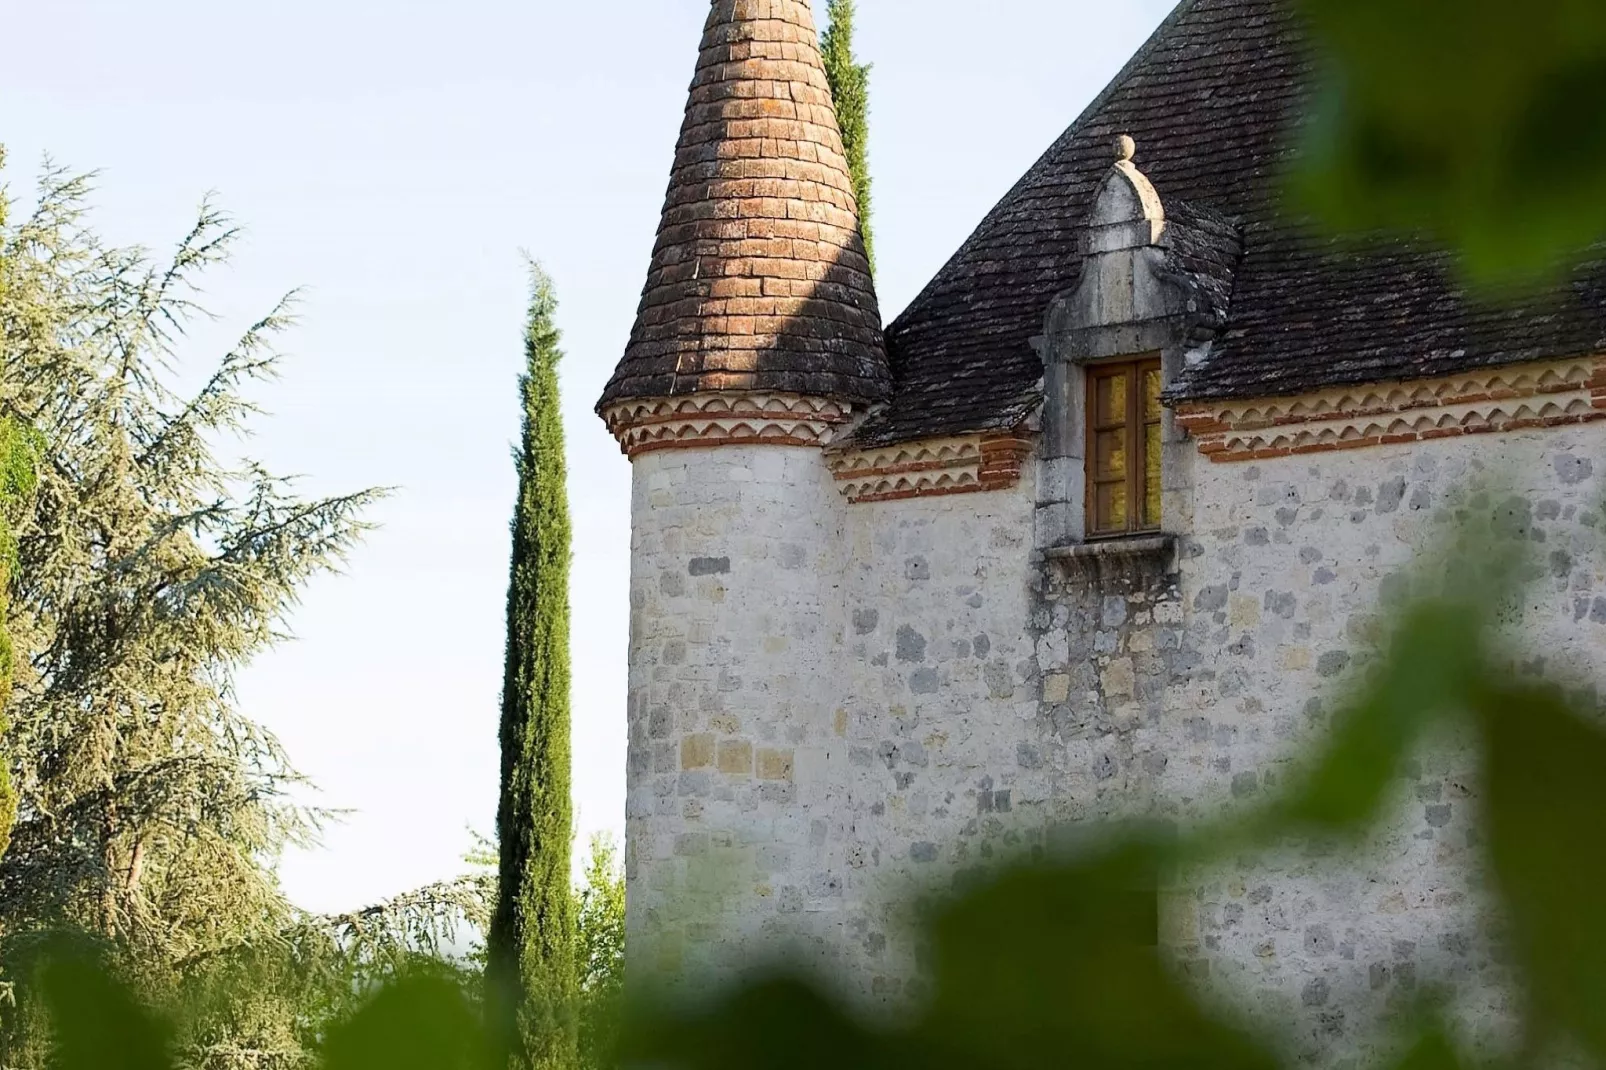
(873, 643)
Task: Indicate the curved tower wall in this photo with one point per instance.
(757, 336)
(731, 732)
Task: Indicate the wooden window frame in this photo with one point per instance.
(1134, 425)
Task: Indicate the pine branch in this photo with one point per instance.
(218, 405)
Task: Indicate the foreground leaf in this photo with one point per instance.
(422, 1023)
(96, 1023)
(1435, 656)
(780, 1023)
(1546, 822)
(1061, 963)
(1476, 121)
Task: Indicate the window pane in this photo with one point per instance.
(1151, 476)
(1110, 399)
(1151, 393)
(1110, 506)
(1109, 452)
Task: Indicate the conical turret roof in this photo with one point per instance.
(759, 281)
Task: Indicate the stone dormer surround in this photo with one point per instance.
(1150, 286)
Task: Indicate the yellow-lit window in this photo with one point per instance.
(1123, 448)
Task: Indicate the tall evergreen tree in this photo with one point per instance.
(151, 809)
(531, 952)
(850, 88)
(17, 479)
(19, 448)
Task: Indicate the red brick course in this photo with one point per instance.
(998, 467)
(1212, 432)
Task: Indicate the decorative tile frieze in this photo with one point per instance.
(959, 465)
(1511, 398)
(702, 420)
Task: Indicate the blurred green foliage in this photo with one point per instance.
(1479, 122)
(97, 1024)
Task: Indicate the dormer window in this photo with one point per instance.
(1153, 288)
(1124, 447)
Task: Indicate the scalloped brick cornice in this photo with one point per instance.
(703, 420)
(1511, 398)
(960, 465)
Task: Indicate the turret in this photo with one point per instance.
(757, 338)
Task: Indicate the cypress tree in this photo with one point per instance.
(531, 942)
(850, 89)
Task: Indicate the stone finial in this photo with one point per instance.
(759, 281)
(1126, 211)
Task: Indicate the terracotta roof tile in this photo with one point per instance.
(758, 279)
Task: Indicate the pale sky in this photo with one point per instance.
(394, 157)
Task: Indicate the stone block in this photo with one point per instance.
(1119, 678)
(774, 764)
(697, 752)
(736, 757)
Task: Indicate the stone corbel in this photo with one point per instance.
(1117, 566)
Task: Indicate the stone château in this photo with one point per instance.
(1093, 529)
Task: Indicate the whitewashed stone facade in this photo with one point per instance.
(873, 646)
(832, 703)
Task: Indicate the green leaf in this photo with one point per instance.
(1475, 121)
(1545, 812)
(96, 1023)
(1059, 959)
(1435, 654)
(1430, 667)
(779, 1023)
(421, 1023)
(1431, 1052)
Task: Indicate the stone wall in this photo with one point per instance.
(1286, 578)
(922, 691)
(937, 688)
(733, 618)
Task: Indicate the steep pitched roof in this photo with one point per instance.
(759, 279)
(1212, 100)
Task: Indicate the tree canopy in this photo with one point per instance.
(150, 809)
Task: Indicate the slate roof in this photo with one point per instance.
(1202, 251)
(1211, 100)
(759, 280)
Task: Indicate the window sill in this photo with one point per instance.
(1125, 546)
(1127, 564)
